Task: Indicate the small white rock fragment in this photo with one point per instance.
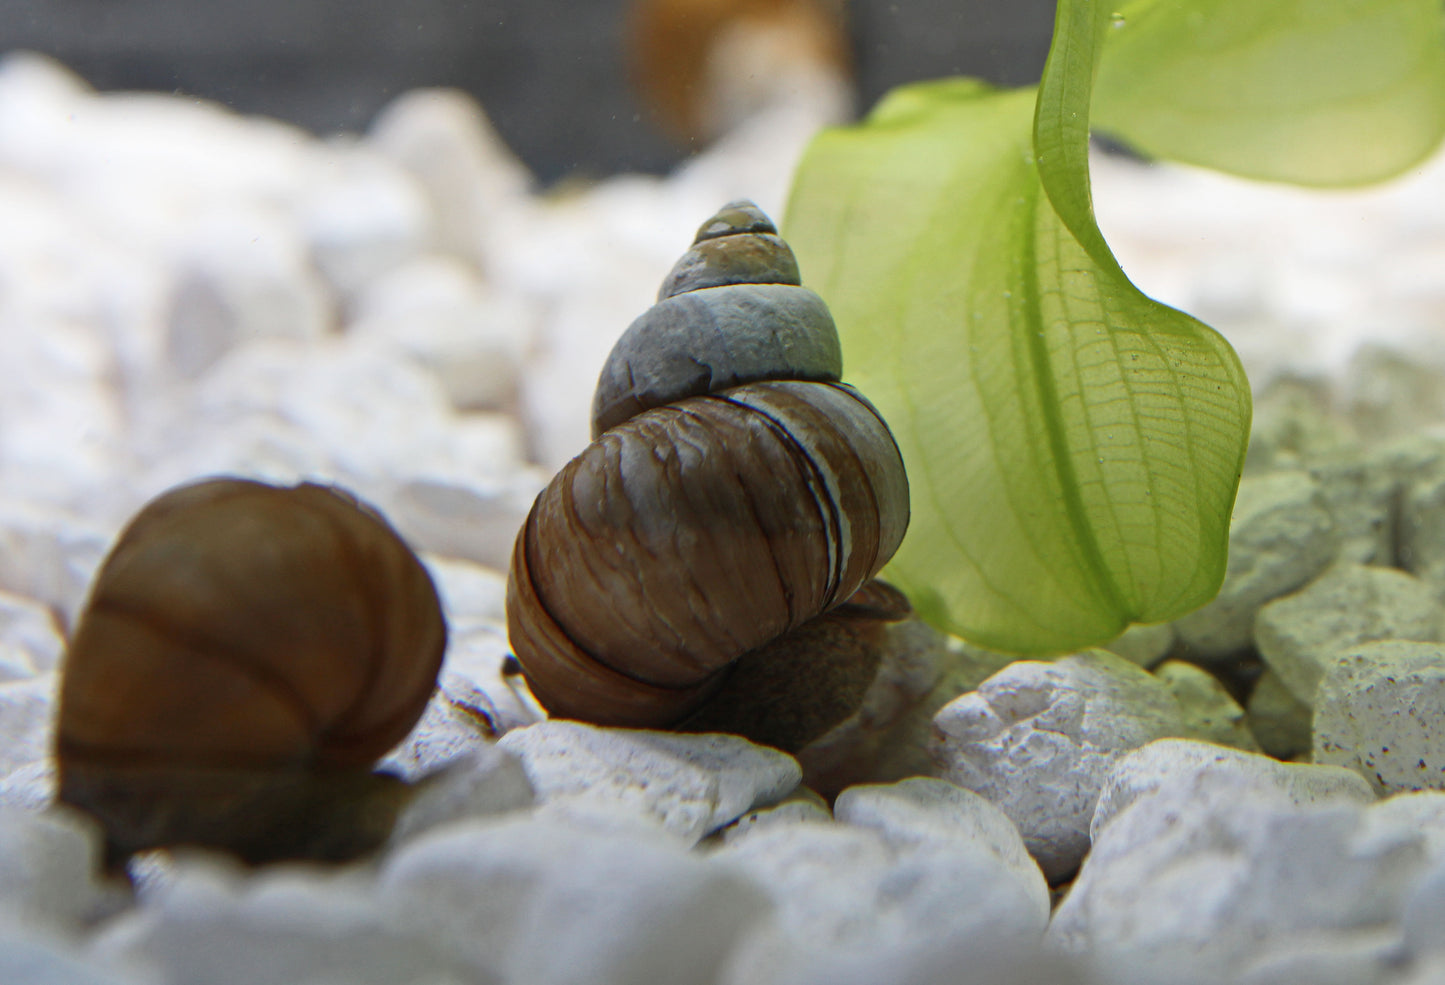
(1361, 493)
(29, 627)
(1280, 537)
(1039, 739)
(1281, 723)
(29, 957)
(689, 784)
(1209, 713)
(1301, 635)
(1380, 711)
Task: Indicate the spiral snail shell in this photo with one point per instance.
(734, 492)
(245, 655)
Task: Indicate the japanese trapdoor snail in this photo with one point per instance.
(706, 562)
(248, 652)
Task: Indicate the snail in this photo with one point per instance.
(245, 654)
(735, 493)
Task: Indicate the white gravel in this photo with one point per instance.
(184, 291)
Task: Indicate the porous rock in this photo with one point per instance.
(1301, 635)
(1038, 739)
(1380, 711)
(1201, 871)
(1281, 723)
(1280, 537)
(1360, 495)
(1208, 711)
(548, 901)
(689, 784)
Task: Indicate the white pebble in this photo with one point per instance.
(484, 780)
(1380, 711)
(50, 870)
(1282, 724)
(689, 784)
(1039, 739)
(26, 709)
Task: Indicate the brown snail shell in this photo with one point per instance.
(735, 492)
(245, 655)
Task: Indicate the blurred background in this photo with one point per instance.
(330, 65)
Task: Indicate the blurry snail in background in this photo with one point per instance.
(706, 562)
(246, 654)
(705, 66)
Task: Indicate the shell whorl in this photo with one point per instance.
(732, 311)
(735, 491)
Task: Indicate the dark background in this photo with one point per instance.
(550, 73)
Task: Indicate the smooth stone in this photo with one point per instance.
(543, 900)
(1294, 426)
(1161, 766)
(282, 925)
(1209, 713)
(1280, 537)
(1300, 636)
(1380, 711)
(50, 870)
(1039, 739)
(1212, 871)
(482, 781)
(1144, 645)
(802, 806)
(691, 785)
(845, 894)
(1283, 725)
(924, 811)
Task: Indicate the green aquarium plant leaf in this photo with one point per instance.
(1317, 92)
(1072, 447)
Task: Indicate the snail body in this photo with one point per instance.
(734, 492)
(245, 655)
